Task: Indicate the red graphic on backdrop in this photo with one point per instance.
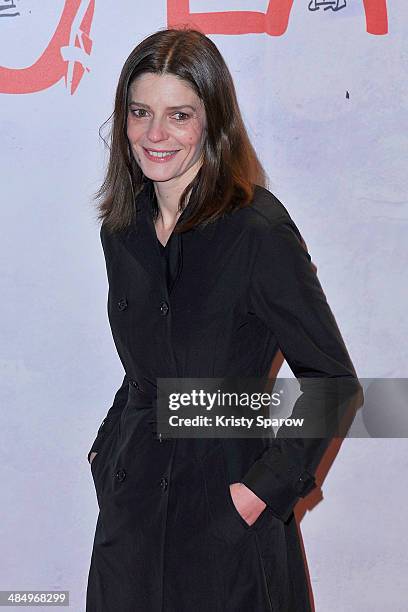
(65, 56)
(274, 22)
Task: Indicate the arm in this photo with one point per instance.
(112, 416)
(287, 296)
(121, 395)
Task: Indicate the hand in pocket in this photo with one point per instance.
(247, 504)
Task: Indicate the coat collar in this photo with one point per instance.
(140, 238)
(143, 204)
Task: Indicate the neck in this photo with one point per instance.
(168, 195)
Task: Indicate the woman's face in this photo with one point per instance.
(165, 115)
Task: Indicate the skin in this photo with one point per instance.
(157, 127)
(160, 128)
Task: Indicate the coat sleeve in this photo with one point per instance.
(112, 416)
(286, 295)
(121, 394)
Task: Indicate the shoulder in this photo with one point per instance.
(267, 206)
(108, 236)
(110, 243)
(104, 236)
(280, 249)
(265, 215)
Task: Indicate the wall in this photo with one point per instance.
(323, 91)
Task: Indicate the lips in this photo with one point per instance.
(159, 158)
(161, 150)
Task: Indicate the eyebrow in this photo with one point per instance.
(168, 108)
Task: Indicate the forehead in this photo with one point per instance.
(154, 87)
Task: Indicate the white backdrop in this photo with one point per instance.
(324, 97)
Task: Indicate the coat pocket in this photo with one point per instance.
(101, 459)
(226, 521)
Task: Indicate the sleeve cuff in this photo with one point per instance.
(279, 490)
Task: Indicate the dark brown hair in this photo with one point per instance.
(230, 167)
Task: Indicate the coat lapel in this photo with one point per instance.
(140, 239)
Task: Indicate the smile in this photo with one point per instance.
(159, 156)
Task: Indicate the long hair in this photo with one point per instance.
(230, 167)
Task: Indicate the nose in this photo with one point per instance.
(157, 130)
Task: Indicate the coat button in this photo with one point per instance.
(163, 483)
(122, 304)
(134, 384)
(120, 475)
(164, 308)
(304, 484)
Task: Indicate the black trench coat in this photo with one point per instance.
(168, 536)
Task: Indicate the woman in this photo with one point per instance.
(208, 277)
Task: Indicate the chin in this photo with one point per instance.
(159, 177)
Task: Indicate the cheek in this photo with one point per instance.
(134, 132)
(193, 138)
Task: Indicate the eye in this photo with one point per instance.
(185, 115)
(136, 110)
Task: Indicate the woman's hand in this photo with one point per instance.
(91, 457)
(246, 502)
